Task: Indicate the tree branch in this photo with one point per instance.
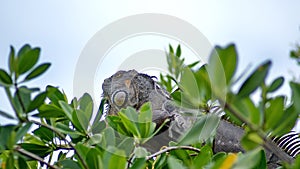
(72, 146)
(33, 156)
(268, 144)
(172, 148)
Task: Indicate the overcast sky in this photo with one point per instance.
(260, 29)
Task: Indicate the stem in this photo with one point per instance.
(172, 148)
(19, 98)
(10, 98)
(33, 156)
(63, 137)
(268, 144)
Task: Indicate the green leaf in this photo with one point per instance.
(178, 51)
(22, 131)
(50, 111)
(99, 113)
(95, 139)
(22, 164)
(81, 118)
(287, 122)
(274, 113)
(109, 138)
(202, 130)
(127, 145)
(228, 57)
(98, 127)
(139, 163)
(39, 70)
(256, 79)
(296, 94)
(10, 161)
(44, 133)
(276, 84)
(111, 156)
(24, 49)
(69, 164)
(217, 75)
(55, 95)
(203, 158)
(5, 133)
(67, 109)
(251, 141)
(129, 117)
(94, 160)
(37, 101)
(40, 150)
(174, 163)
(66, 130)
(257, 158)
(12, 62)
(5, 79)
(140, 152)
(27, 60)
(189, 86)
(6, 115)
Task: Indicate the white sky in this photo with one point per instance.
(260, 29)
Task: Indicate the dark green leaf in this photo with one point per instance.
(5, 133)
(22, 163)
(81, 118)
(276, 84)
(6, 115)
(37, 101)
(203, 158)
(27, 60)
(40, 150)
(178, 51)
(5, 79)
(44, 133)
(24, 49)
(12, 62)
(274, 113)
(203, 129)
(69, 164)
(256, 79)
(39, 70)
(296, 95)
(66, 130)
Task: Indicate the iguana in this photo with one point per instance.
(130, 88)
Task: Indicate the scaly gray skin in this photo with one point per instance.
(130, 88)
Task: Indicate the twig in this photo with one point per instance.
(33, 156)
(172, 148)
(63, 137)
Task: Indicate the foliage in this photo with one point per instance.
(50, 127)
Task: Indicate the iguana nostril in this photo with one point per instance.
(119, 98)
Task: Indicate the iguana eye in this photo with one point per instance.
(119, 98)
